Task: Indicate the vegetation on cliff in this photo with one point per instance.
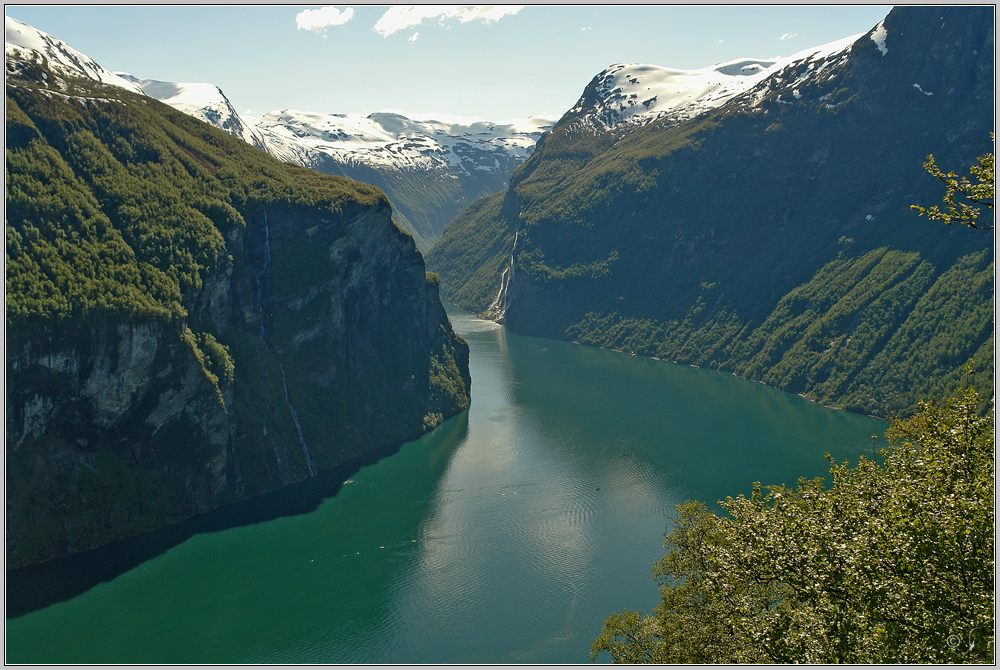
(119, 209)
(191, 322)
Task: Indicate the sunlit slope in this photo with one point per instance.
(771, 237)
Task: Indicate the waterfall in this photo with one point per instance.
(498, 307)
(267, 266)
(284, 383)
(298, 426)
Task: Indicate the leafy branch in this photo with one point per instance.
(976, 194)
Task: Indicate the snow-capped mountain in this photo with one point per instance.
(431, 167)
(23, 41)
(466, 158)
(386, 140)
(202, 101)
(632, 95)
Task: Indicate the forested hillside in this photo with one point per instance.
(772, 237)
(190, 322)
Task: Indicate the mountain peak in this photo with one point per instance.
(636, 94)
(202, 101)
(22, 41)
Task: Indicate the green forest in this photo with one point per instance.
(121, 209)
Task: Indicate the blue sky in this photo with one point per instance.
(495, 64)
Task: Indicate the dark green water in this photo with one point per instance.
(505, 536)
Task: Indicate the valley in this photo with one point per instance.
(394, 387)
(771, 236)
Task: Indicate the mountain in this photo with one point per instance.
(625, 96)
(202, 101)
(21, 42)
(759, 224)
(430, 167)
(190, 322)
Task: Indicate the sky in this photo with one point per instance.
(491, 62)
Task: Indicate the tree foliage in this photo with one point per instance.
(972, 195)
(119, 206)
(894, 563)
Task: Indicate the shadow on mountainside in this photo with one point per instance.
(38, 586)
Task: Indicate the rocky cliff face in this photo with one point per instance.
(113, 429)
(311, 333)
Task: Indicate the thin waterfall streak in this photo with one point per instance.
(298, 426)
(267, 265)
(284, 383)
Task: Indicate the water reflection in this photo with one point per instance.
(504, 536)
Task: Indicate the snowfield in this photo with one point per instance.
(395, 141)
(637, 94)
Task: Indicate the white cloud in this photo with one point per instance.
(401, 17)
(788, 36)
(413, 38)
(318, 20)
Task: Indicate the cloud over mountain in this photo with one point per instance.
(402, 17)
(318, 20)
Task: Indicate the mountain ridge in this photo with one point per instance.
(616, 97)
(764, 237)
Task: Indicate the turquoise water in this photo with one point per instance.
(504, 536)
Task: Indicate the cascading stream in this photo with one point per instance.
(267, 265)
(284, 383)
(499, 305)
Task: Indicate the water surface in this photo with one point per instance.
(504, 536)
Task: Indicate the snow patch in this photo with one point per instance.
(202, 101)
(878, 36)
(917, 86)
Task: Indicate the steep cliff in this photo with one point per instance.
(770, 236)
(190, 322)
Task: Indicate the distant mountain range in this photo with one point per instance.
(431, 168)
(754, 217)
